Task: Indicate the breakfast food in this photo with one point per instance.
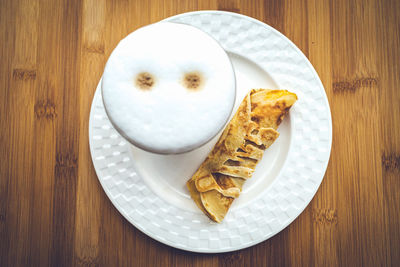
(220, 178)
(168, 88)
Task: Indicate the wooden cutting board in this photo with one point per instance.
(53, 210)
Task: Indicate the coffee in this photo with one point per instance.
(168, 87)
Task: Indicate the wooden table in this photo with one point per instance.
(53, 210)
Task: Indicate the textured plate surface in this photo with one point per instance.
(257, 215)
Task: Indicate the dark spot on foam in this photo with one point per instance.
(145, 80)
(193, 80)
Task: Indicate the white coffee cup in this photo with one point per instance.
(168, 88)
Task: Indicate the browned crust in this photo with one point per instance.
(238, 150)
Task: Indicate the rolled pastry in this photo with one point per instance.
(220, 178)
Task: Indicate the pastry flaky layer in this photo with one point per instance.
(220, 178)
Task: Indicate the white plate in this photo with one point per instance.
(149, 190)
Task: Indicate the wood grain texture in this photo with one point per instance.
(53, 211)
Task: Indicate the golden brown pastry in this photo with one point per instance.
(220, 178)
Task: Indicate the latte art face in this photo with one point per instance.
(168, 87)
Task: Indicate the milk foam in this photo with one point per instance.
(168, 117)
